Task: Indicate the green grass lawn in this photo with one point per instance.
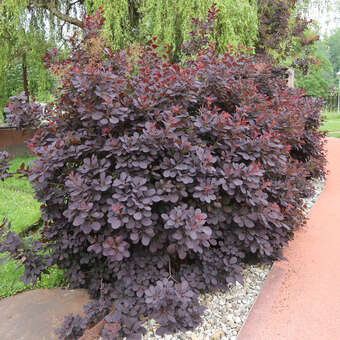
(331, 124)
(334, 134)
(19, 206)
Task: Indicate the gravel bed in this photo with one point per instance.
(318, 186)
(227, 311)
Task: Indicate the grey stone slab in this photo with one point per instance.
(35, 314)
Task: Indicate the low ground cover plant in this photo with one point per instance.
(157, 180)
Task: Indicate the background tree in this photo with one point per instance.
(320, 77)
(27, 29)
(131, 21)
(333, 45)
(285, 34)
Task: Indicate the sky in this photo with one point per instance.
(327, 18)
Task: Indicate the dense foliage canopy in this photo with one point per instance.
(28, 27)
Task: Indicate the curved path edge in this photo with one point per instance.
(300, 299)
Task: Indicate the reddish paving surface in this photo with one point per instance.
(300, 299)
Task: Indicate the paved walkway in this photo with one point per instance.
(300, 299)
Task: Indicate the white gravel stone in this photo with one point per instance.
(227, 311)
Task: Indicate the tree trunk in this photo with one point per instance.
(24, 76)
